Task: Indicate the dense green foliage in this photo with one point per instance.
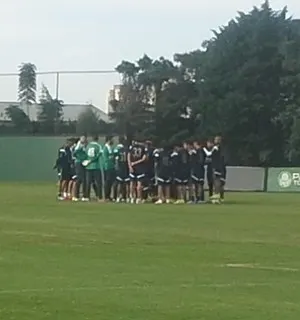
(243, 83)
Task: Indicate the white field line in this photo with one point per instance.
(100, 289)
(259, 267)
(26, 233)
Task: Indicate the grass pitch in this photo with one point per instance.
(81, 261)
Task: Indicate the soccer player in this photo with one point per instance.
(181, 165)
(208, 150)
(223, 171)
(163, 164)
(80, 155)
(150, 178)
(218, 169)
(93, 169)
(63, 164)
(108, 157)
(122, 172)
(72, 182)
(136, 159)
(197, 172)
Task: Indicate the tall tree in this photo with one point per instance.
(132, 113)
(89, 123)
(27, 85)
(244, 83)
(50, 113)
(240, 84)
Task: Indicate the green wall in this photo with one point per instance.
(28, 158)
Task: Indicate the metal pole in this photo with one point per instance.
(57, 86)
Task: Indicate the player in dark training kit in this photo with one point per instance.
(63, 165)
(223, 171)
(197, 172)
(181, 165)
(207, 152)
(122, 171)
(163, 164)
(150, 163)
(136, 158)
(219, 170)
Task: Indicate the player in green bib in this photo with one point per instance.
(93, 168)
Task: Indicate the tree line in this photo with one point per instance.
(243, 83)
(49, 117)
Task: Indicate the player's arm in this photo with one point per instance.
(129, 159)
(59, 160)
(116, 158)
(143, 159)
(202, 157)
(156, 155)
(174, 161)
(98, 152)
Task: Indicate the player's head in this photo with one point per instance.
(210, 143)
(72, 140)
(176, 146)
(196, 144)
(148, 143)
(109, 140)
(123, 141)
(218, 140)
(83, 139)
(188, 145)
(69, 142)
(76, 140)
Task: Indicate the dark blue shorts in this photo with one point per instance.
(182, 178)
(197, 175)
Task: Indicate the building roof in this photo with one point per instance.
(70, 111)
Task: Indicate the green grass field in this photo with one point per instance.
(81, 261)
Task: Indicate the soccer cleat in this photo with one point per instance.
(159, 202)
(118, 200)
(85, 199)
(75, 199)
(216, 201)
(179, 202)
(60, 198)
(168, 201)
(132, 201)
(191, 202)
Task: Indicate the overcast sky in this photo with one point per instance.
(98, 34)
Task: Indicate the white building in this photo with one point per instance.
(113, 94)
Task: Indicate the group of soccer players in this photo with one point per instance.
(137, 171)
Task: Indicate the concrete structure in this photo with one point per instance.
(113, 94)
(70, 111)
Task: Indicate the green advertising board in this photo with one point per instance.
(283, 180)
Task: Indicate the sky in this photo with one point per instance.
(70, 35)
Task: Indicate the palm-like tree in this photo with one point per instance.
(27, 84)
